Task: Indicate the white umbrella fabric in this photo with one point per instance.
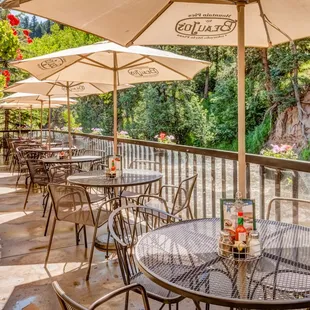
(26, 106)
(59, 88)
(253, 23)
(177, 22)
(38, 100)
(111, 63)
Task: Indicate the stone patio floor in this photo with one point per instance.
(25, 283)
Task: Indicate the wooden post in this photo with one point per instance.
(241, 99)
(69, 121)
(49, 122)
(19, 121)
(115, 102)
(41, 121)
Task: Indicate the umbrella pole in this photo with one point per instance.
(49, 122)
(69, 122)
(41, 116)
(241, 99)
(115, 104)
(31, 120)
(19, 121)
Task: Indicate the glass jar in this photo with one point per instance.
(254, 244)
(225, 245)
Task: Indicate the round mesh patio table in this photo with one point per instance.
(182, 257)
(73, 160)
(129, 177)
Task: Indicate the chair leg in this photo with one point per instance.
(169, 306)
(18, 177)
(77, 235)
(27, 195)
(108, 240)
(91, 254)
(48, 219)
(45, 203)
(85, 236)
(126, 300)
(50, 242)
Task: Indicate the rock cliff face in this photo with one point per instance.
(288, 130)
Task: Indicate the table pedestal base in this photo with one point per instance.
(101, 243)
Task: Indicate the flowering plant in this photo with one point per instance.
(123, 134)
(164, 138)
(280, 151)
(65, 128)
(96, 131)
(77, 129)
(57, 128)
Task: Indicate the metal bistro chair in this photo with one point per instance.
(281, 269)
(182, 198)
(126, 225)
(139, 164)
(58, 175)
(38, 176)
(68, 303)
(73, 204)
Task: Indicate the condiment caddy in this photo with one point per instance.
(238, 242)
(114, 166)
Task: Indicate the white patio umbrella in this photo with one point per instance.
(37, 99)
(111, 63)
(62, 88)
(25, 106)
(254, 23)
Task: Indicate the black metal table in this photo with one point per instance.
(98, 178)
(182, 257)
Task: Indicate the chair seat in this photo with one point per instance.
(82, 215)
(130, 195)
(96, 198)
(155, 291)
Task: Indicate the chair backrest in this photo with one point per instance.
(58, 174)
(98, 164)
(65, 301)
(37, 171)
(68, 303)
(126, 225)
(71, 204)
(183, 195)
(286, 208)
(78, 152)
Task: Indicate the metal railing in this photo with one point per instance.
(217, 172)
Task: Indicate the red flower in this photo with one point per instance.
(14, 21)
(26, 32)
(14, 32)
(162, 136)
(19, 55)
(29, 40)
(6, 73)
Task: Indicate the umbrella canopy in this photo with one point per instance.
(255, 23)
(58, 88)
(39, 101)
(182, 22)
(31, 98)
(111, 63)
(26, 106)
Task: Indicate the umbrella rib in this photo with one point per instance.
(95, 62)
(131, 63)
(262, 15)
(134, 65)
(163, 10)
(169, 68)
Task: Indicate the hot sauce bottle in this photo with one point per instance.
(241, 232)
